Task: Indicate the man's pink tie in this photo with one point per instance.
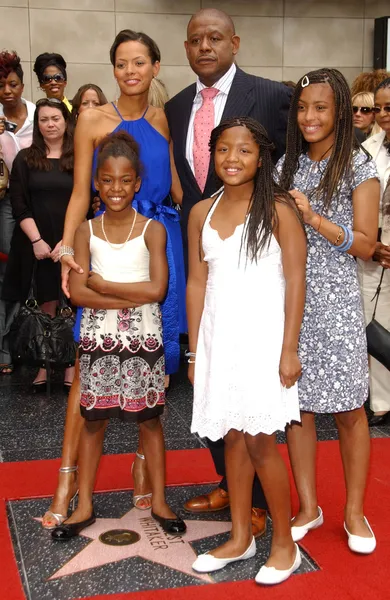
(203, 125)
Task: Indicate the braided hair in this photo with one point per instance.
(262, 215)
(339, 165)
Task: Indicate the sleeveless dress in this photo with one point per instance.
(237, 383)
(121, 351)
(153, 201)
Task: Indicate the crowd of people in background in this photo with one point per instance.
(235, 185)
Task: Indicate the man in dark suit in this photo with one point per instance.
(211, 47)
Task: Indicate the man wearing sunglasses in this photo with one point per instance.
(50, 69)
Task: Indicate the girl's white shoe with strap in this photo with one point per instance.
(359, 544)
(298, 533)
(272, 576)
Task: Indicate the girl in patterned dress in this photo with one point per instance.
(335, 187)
(245, 300)
(121, 353)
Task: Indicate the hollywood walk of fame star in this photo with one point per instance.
(154, 544)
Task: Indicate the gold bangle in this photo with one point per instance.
(337, 240)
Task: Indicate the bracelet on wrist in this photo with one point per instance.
(65, 251)
(191, 362)
(348, 239)
(36, 241)
(319, 224)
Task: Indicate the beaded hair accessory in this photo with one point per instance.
(305, 81)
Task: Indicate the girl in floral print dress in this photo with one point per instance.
(335, 186)
(121, 353)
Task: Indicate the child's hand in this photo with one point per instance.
(96, 282)
(190, 373)
(303, 205)
(289, 368)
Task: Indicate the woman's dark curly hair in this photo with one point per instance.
(36, 155)
(368, 82)
(262, 216)
(10, 63)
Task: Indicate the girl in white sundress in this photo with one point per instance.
(121, 350)
(245, 300)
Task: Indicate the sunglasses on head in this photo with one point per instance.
(57, 78)
(365, 110)
(54, 101)
(377, 110)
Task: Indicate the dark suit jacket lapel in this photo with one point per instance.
(240, 100)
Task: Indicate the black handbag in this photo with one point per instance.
(38, 339)
(378, 337)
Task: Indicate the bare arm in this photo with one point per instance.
(143, 292)
(80, 198)
(365, 200)
(197, 277)
(80, 294)
(176, 189)
(292, 241)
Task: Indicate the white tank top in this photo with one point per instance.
(129, 264)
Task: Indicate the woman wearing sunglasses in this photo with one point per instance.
(370, 271)
(363, 114)
(50, 69)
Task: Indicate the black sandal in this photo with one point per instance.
(6, 369)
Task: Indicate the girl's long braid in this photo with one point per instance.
(261, 209)
(340, 161)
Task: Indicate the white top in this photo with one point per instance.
(374, 145)
(120, 264)
(223, 85)
(12, 143)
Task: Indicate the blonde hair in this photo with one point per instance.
(158, 94)
(367, 99)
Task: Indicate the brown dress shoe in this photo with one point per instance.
(218, 499)
(259, 522)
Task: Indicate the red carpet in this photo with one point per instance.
(343, 575)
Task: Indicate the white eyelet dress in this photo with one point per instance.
(237, 383)
(121, 352)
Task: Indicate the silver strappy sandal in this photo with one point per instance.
(59, 519)
(137, 498)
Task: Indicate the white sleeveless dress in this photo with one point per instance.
(121, 351)
(237, 383)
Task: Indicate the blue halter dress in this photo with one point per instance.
(153, 201)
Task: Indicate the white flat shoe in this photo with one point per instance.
(272, 576)
(298, 533)
(206, 563)
(361, 544)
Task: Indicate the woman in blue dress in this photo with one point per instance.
(136, 61)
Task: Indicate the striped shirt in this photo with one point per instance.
(223, 85)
